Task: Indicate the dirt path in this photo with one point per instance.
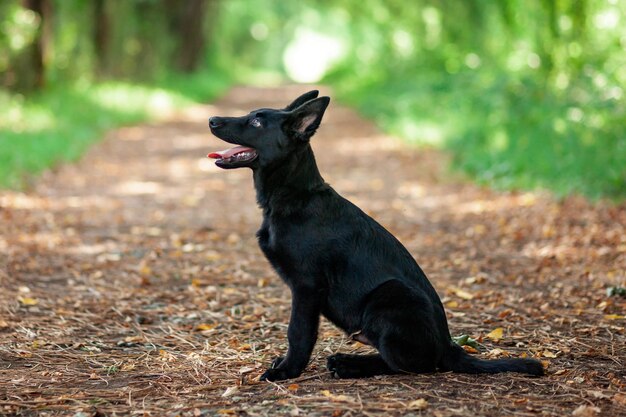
(131, 282)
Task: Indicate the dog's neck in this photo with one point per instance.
(286, 185)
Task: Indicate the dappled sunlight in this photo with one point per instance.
(311, 54)
(93, 249)
(504, 202)
(196, 113)
(421, 131)
(138, 188)
(194, 142)
(126, 98)
(207, 165)
(370, 145)
(130, 133)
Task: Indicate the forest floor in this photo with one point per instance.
(131, 283)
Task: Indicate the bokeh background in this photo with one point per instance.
(523, 94)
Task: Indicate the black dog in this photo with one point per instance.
(338, 261)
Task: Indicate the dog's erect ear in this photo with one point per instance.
(304, 121)
(302, 99)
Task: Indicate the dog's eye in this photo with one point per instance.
(255, 123)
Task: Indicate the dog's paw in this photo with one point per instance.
(336, 365)
(277, 374)
(274, 374)
(347, 366)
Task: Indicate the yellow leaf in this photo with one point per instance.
(206, 326)
(496, 334)
(262, 282)
(334, 397)
(548, 354)
(613, 317)
(145, 270)
(27, 301)
(419, 404)
(461, 293)
(452, 304)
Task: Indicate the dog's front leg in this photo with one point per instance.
(302, 334)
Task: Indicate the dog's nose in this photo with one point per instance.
(214, 122)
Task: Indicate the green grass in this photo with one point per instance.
(59, 124)
(505, 131)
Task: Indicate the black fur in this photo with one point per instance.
(339, 262)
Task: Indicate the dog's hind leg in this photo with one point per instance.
(402, 323)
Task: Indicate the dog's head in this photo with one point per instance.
(265, 136)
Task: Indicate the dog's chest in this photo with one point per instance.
(281, 247)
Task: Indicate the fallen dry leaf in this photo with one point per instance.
(619, 398)
(461, 293)
(586, 411)
(496, 334)
(230, 391)
(597, 394)
(469, 349)
(28, 301)
(419, 404)
(497, 353)
(206, 326)
(338, 397)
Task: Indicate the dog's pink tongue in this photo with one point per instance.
(228, 152)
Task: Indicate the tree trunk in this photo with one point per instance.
(101, 37)
(40, 51)
(186, 19)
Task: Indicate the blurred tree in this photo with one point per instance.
(187, 21)
(101, 36)
(26, 39)
(132, 39)
(39, 50)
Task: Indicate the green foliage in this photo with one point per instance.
(54, 100)
(507, 132)
(523, 94)
(57, 125)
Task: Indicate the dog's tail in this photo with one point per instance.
(457, 360)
